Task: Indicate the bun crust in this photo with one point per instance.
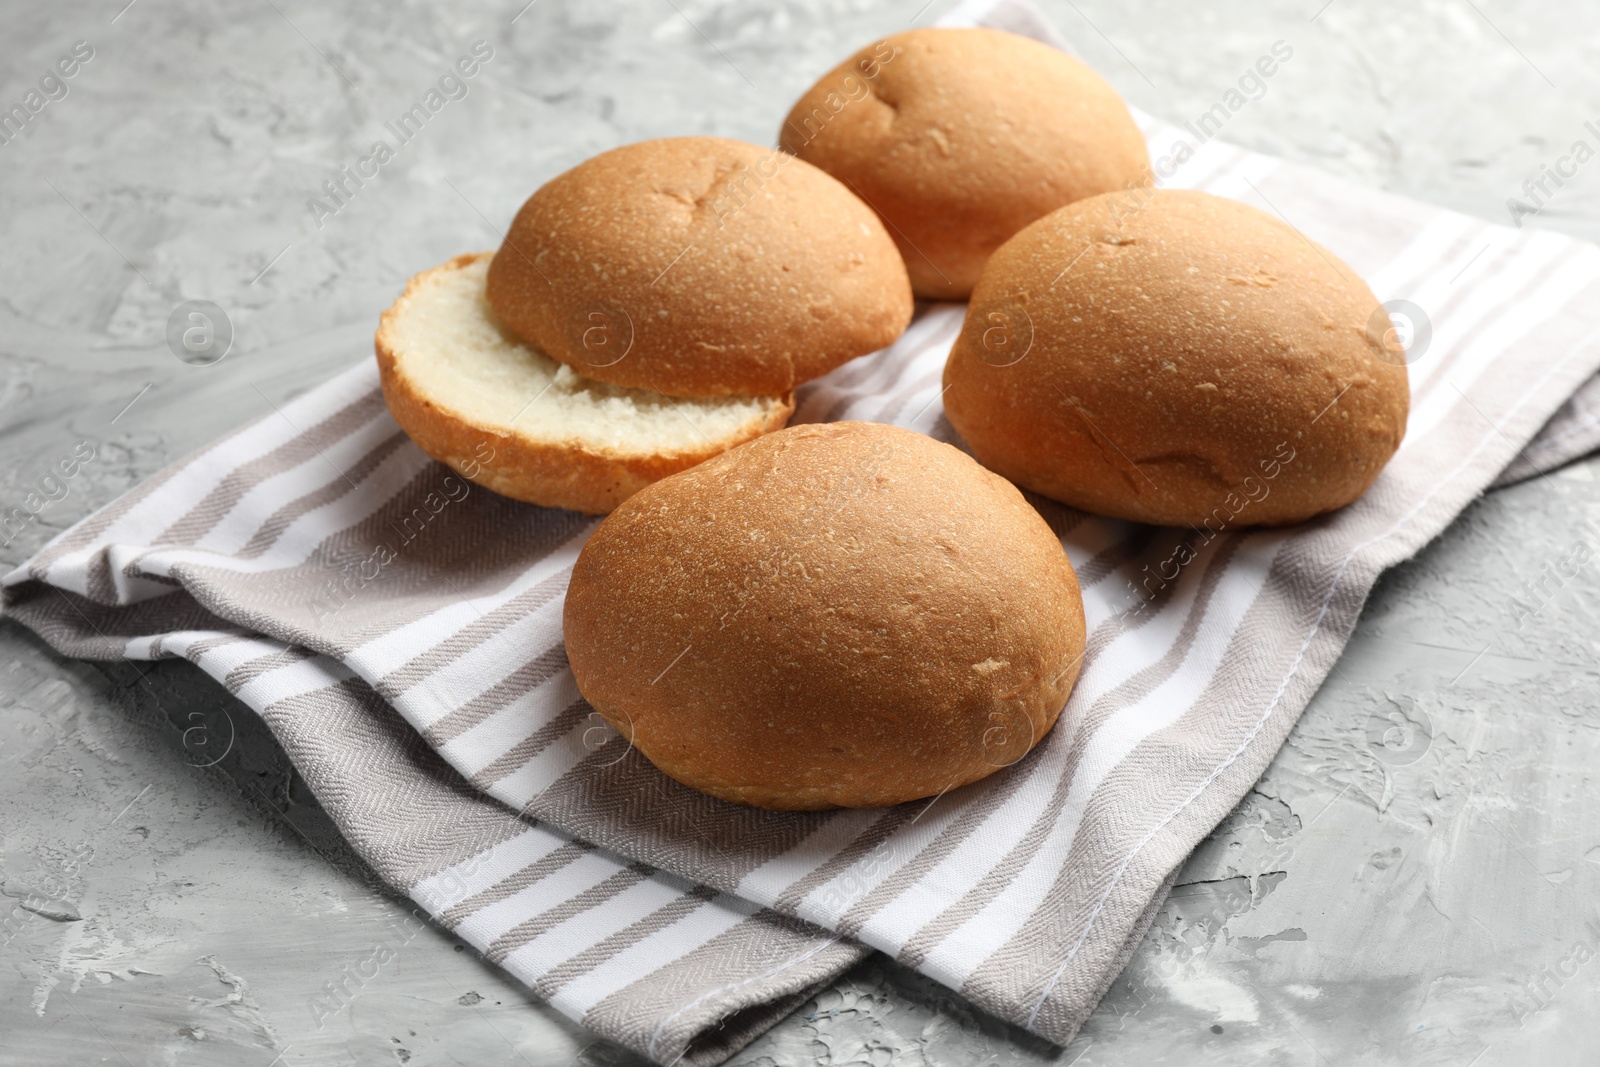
(1190, 361)
(699, 266)
(516, 451)
(961, 137)
(835, 615)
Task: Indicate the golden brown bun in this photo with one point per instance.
(1190, 361)
(700, 266)
(477, 399)
(960, 138)
(836, 615)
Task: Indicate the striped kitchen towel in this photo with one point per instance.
(400, 631)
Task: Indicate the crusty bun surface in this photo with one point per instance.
(476, 398)
(835, 615)
(961, 137)
(700, 266)
(1194, 361)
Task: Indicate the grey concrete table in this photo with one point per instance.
(1413, 881)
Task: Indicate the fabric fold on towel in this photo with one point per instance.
(670, 969)
(399, 629)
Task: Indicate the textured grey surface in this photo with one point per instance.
(1413, 881)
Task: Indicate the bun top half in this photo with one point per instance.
(699, 266)
(961, 137)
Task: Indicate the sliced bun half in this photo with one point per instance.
(700, 266)
(464, 388)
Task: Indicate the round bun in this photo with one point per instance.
(836, 615)
(1183, 359)
(509, 418)
(698, 266)
(961, 137)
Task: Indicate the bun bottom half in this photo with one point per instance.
(503, 414)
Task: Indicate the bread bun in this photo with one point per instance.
(699, 266)
(509, 418)
(1177, 358)
(961, 137)
(836, 615)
